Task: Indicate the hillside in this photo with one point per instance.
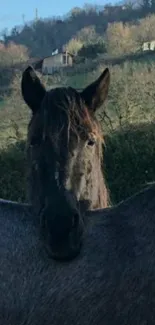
(127, 117)
(85, 25)
(110, 35)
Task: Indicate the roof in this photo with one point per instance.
(61, 52)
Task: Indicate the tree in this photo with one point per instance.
(87, 35)
(92, 50)
(145, 31)
(153, 5)
(12, 53)
(120, 39)
(146, 5)
(73, 46)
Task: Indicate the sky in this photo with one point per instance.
(12, 10)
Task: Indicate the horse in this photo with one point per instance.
(64, 159)
(110, 282)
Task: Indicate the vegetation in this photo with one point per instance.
(128, 24)
(103, 38)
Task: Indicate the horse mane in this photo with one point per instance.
(79, 117)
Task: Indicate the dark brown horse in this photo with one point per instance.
(64, 152)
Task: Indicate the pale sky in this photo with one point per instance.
(12, 10)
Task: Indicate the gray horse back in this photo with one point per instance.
(112, 282)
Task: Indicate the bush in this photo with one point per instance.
(73, 46)
(130, 160)
(92, 50)
(13, 172)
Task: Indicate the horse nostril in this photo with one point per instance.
(91, 142)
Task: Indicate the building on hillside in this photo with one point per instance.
(145, 46)
(148, 46)
(152, 45)
(55, 62)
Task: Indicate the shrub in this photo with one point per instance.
(92, 50)
(13, 172)
(130, 160)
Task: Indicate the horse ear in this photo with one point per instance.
(32, 89)
(95, 94)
